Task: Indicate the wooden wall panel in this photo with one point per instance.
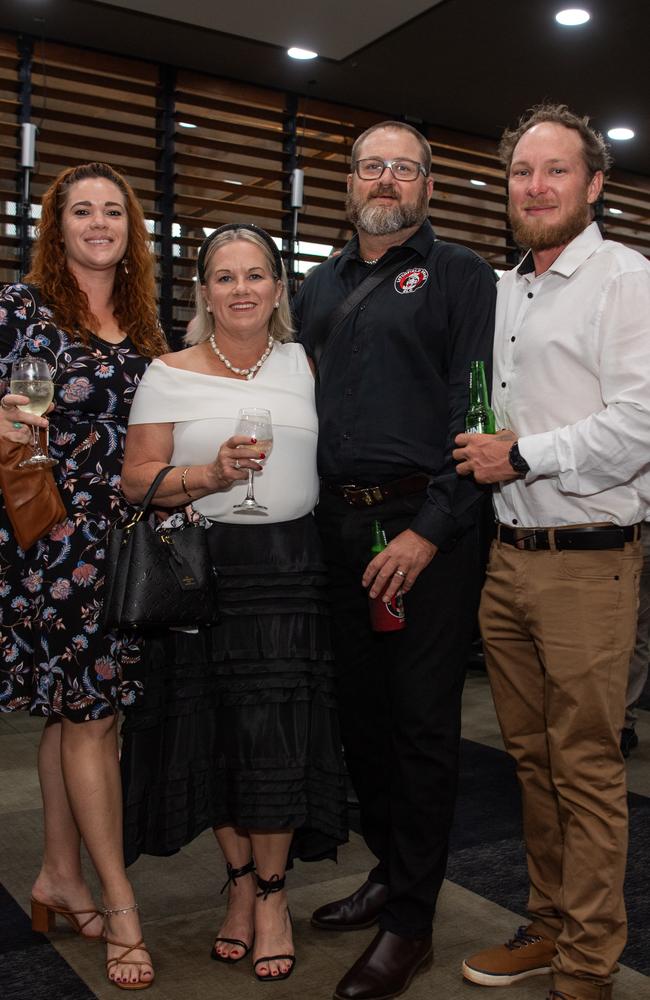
(234, 163)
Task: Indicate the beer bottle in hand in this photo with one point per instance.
(479, 418)
(385, 616)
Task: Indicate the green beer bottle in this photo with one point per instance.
(385, 616)
(479, 418)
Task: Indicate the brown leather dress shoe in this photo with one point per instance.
(355, 912)
(386, 968)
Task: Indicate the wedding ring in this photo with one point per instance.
(400, 572)
(237, 463)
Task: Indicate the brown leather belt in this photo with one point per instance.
(370, 496)
(592, 537)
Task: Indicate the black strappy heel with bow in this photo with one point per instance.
(233, 875)
(266, 887)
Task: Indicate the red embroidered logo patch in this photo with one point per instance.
(411, 280)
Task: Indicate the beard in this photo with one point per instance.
(382, 220)
(538, 236)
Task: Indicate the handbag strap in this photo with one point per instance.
(330, 326)
(152, 489)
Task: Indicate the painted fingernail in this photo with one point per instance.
(253, 440)
(262, 455)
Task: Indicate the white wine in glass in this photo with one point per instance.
(254, 422)
(31, 377)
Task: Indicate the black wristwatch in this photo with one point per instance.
(517, 461)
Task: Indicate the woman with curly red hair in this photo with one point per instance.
(88, 308)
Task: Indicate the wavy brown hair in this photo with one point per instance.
(134, 291)
(594, 148)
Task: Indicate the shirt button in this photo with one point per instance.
(503, 385)
(515, 521)
(346, 436)
(355, 350)
(513, 339)
(530, 295)
(361, 308)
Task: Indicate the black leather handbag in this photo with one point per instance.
(158, 579)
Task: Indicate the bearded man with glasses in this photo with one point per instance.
(393, 323)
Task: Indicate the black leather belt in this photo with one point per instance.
(579, 539)
(370, 496)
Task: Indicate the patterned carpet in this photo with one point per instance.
(31, 968)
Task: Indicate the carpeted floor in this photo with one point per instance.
(32, 968)
(486, 858)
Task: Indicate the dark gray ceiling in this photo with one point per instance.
(470, 65)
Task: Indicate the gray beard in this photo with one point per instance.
(382, 220)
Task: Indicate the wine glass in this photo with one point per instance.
(254, 423)
(31, 377)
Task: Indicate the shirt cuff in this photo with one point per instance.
(434, 525)
(539, 451)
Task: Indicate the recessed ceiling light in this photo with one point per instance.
(477, 183)
(620, 133)
(188, 125)
(616, 211)
(297, 53)
(572, 16)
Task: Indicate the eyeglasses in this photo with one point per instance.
(371, 169)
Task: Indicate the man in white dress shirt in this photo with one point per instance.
(558, 612)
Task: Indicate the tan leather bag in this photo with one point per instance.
(31, 498)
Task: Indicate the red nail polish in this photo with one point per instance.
(253, 440)
(262, 455)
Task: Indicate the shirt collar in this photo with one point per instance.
(574, 254)
(421, 241)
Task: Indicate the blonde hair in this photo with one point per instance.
(202, 323)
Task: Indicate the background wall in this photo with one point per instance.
(235, 162)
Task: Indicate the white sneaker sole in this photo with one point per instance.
(490, 979)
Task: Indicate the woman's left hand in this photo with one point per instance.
(235, 457)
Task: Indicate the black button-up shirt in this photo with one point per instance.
(393, 388)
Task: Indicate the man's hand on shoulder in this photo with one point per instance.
(409, 553)
(485, 456)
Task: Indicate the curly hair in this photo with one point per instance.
(594, 148)
(134, 291)
(202, 324)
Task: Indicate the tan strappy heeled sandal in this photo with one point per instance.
(122, 959)
(44, 919)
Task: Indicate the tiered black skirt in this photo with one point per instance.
(238, 724)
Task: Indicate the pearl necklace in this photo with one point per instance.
(248, 372)
(375, 261)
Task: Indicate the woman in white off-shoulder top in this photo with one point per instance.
(238, 728)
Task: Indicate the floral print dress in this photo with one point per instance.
(54, 658)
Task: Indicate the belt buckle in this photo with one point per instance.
(528, 543)
(372, 495)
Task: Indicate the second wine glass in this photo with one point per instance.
(254, 422)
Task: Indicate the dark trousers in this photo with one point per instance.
(400, 699)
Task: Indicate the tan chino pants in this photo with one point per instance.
(558, 630)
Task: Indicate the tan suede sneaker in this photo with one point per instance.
(524, 955)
